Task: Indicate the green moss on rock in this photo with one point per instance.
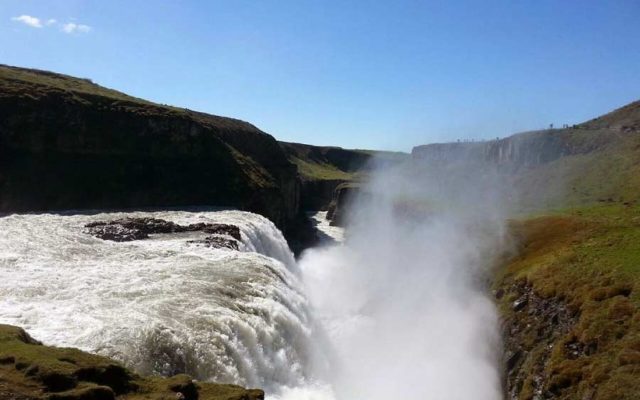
(30, 370)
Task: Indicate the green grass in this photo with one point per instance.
(29, 370)
(588, 259)
(310, 170)
(36, 84)
(610, 173)
(16, 78)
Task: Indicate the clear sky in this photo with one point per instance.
(361, 74)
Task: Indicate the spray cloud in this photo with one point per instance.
(404, 300)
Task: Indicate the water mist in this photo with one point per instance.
(404, 300)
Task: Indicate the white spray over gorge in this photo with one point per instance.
(399, 308)
(404, 301)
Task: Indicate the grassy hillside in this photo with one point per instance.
(32, 371)
(325, 163)
(607, 171)
(569, 292)
(570, 301)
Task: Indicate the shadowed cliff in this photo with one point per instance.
(67, 143)
(323, 168)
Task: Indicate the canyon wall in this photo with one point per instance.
(66, 143)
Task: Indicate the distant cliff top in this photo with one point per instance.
(596, 161)
(625, 119)
(37, 84)
(334, 163)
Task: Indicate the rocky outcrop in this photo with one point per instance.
(317, 194)
(129, 229)
(32, 371)
(342, 198)
(526, 149)
(322, 169)
(66, 143)
(529, 149)
(530, 333)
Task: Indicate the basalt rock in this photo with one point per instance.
(342, 197)
(529, 333)
(67, 143)
(128, 229)
(217, 242)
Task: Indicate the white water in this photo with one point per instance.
(404, 300)
(395, 310)
(162, 305)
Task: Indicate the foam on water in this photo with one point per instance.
(162, 305)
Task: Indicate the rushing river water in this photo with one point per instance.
(394, 306)
(162, 305)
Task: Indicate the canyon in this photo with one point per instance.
(530, 242)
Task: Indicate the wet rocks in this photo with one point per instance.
(223, 229)
(183, 386)
(115, 232)
(217, 242)
(129, 229)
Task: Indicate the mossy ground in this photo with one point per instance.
(587, 259)
(30, 370)
(310, 170)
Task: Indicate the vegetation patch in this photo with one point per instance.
(570, 305)
(30, 370)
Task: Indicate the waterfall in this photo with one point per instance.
(396, 308)
(162, 305)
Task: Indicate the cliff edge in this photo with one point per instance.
(67, 143)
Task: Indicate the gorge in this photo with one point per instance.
(500, 269)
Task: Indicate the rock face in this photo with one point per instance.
(342, 197)
(129, 229)
(66, 143)
(592, 162)
(526, 149)
(322, 169)
(529, 149)
(529, 336)
(32, 371)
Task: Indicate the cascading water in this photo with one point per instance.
(162, 305)
(404, 299)
(396, 309)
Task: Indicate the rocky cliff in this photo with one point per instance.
(596, 161)
(66, 143)
(323, 168)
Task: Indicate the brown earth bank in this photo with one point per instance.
(30, 370)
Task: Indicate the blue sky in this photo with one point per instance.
(359, 74)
